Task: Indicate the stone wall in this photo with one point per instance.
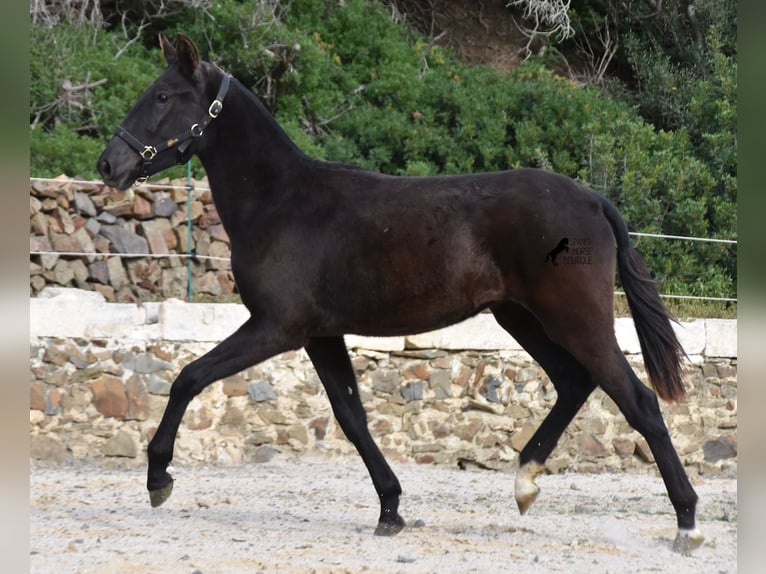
(89, 236)
(465, 395)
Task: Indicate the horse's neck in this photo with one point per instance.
(250, 158)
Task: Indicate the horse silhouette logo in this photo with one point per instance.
(563, 245)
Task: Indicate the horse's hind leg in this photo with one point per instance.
(331, 361)
(641, 409)
(573, 386)
(595, 347)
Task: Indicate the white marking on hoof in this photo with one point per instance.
(688, 540)
(526, 490)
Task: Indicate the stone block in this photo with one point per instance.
(383, 344)
(385, 381)
(39, 224)
(79, 272)
(413, 391)
(720, 338)
(118, 278)
(381, 426)
(156, 385)
(439, 429)
(297, 432)
(48, 448)
(64, 243)
(83, 204)
(106, 218)
(62, 272)
(691, 335)
(218, 233)
(55, 355)
(235, 386)
(64, 220)
(163, 205)
(138, 400)
(627, 338)
(37, 396)
(109, 396)
(145, 363)
(261, 391)
(197, 418)
(234, 417)
(468, 429)
(157, 243)
(200, 321)
(590, 446)
(222, 255)
(121, 444)
(319, 426)
(441, 383)
(480, 332)
(207, 283)
(123, 240)
(79, 313)
(263, 453)
(63, 312)
(142, 208)
(174, 282)
(720, 448)
(92, 226)
(624, 447)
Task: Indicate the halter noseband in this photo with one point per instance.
(183, 140)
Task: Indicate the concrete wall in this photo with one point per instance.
(466, 394)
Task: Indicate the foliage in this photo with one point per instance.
(349, 84)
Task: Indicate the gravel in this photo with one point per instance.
(313, 514)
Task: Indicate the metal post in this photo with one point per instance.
(189, 250)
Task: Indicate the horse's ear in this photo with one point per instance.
(168, 50)
(188, 57)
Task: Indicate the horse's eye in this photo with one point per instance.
(163, 98)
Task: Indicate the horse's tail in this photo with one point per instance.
(661, 349)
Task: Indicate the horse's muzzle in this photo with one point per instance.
(118, 170)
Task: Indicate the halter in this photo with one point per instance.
(183, 140)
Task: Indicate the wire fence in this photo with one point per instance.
(191, 256)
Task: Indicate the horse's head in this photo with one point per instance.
(167, 123)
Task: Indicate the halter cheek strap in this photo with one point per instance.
(181, 142)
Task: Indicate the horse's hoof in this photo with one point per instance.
(390, 528)
(526, 499)
(157, 497)
(526, 490)
(687, 541)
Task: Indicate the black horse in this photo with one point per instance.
(321, 249)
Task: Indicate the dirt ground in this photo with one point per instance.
(318, 515)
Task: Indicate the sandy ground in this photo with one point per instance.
(318, 515)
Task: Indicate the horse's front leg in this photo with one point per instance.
(330, 359)
(250, 344)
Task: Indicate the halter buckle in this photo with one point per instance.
(148, 153)
(215, 108)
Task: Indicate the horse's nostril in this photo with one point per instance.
(105, 168)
